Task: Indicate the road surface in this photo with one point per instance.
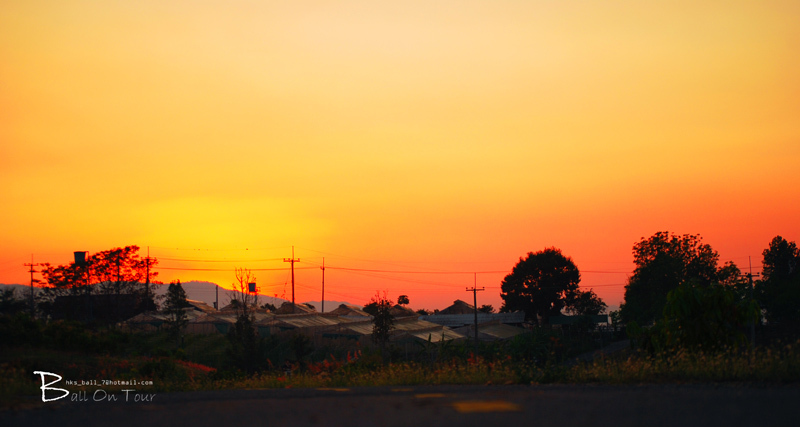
(540, 406)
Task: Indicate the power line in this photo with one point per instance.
(415, 272)
(231, 269)
(219, 250)
(220, 260)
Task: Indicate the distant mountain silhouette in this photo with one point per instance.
(206, 292)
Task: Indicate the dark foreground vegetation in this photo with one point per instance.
(208, 362)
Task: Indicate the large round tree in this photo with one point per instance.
(664, 261)
(541, 285)
(779, 291)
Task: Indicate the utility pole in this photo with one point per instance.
(32, 270)
(81, 261)
(474, 291)
(292, 260)
(147, 274)
(750, 288)
(323, 285)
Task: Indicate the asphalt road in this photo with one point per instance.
(552, 405)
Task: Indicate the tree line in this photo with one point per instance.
(678, 295)
(670, 272)
(105, 287)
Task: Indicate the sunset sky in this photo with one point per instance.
(443, 136)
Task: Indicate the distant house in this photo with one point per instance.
(201, 306)
(233, 307)
(355, 330)
(289, 308)
(406, 330)
(153, 321)
(492, 331)
(458, 307)
(462, 314)
(412, 329)
(221, 322)
(305, 323)
(401, 311)
(349, 311)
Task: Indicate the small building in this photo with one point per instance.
(404, 330)
(414, 329)
(154, 321)
(459, 320)
(201, 306)
(492, 331)
(305, 323)
(289, 308)
(399, 311)
(458, 307)
(220, 322)
(350, 312)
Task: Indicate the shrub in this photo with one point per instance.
(698, 317)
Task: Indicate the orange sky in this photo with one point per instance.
(418, 135)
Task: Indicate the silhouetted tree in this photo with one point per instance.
(730, 275)
(541, 285)
(382, 319)
(244, 347)
(402, 300)
(586, 303)
(371, 308)
(486, 308)
(118, 271)
(664, 261)
(779, 290)
(240, 297)
(781, 260)
(699, 317)
(115, 270)
(174, 306)
(244, 344)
